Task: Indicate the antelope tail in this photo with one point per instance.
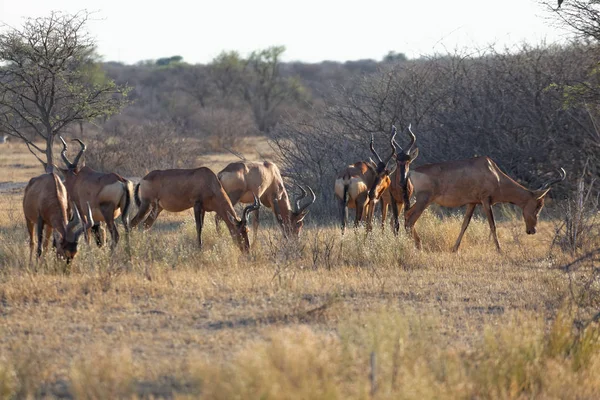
(136, 196)
(345, 204)
(126, 203)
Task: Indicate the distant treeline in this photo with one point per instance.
(531, 110)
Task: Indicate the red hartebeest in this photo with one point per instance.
(177, 190)
(470, 182)
(45, 205)
(400, 188)
(109, 194)
(244, 180)
(361, 185)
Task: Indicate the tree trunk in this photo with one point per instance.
(49, 153)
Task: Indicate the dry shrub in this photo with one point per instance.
(23, 372)
(8, 380)
(101, 373)
(292, 363)
(137, 150)
(580, 225)
(390, 355)
(224, 128)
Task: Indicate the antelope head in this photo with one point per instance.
(67, 246)
(72, 166)
(297, 217)
(404, 157)
(239, 227)
(534, 205)
(381, 169)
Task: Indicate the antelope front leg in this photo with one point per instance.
(487, 207)
(395, 222)
(370, 212)
(255, 225)
(98, 234)
(465, 224)
(199, 216)
(384, 210)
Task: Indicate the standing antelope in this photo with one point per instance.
(244, 180)
(361, 185)
(45, 204)
(471, 182)
(401, 188)
(177, 190)
(109, 194)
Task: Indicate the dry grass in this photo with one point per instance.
(293, 319)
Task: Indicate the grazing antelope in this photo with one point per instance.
(361, 185)
(109, 194)
(45, 205)
(244, 180)
(177, 190)
(471, 182)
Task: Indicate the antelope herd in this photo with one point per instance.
(91, 197)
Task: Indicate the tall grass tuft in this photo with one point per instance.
(101, 373)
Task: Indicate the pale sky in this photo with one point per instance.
(312, 30)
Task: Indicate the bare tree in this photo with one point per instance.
(49, 79)
(580, 16)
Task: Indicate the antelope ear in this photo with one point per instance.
(232, 219)
(414, 154)
(539, 194)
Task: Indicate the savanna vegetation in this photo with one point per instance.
(325, 315)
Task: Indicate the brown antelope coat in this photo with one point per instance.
(471, 182)
(176, 190)
(108, 194)
(45, 205)
(243, 180)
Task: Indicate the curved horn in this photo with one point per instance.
(83, 148)
(76, 220)
(551, 182)
(304, 193)
(373, 149)
(304, 207)
(90, 218)
(413, 139)
(63, 153)
(85, 227)
(250, 208)
(392, 143)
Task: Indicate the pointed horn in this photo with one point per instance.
(392, 145)
(63, 153)
(413, 139)
(314, 198)
(250, 208)
(83, 148)
(373, 149)
(76, 220)
(300, 198)
(88, 225)
(551, 182)
(90, 218)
